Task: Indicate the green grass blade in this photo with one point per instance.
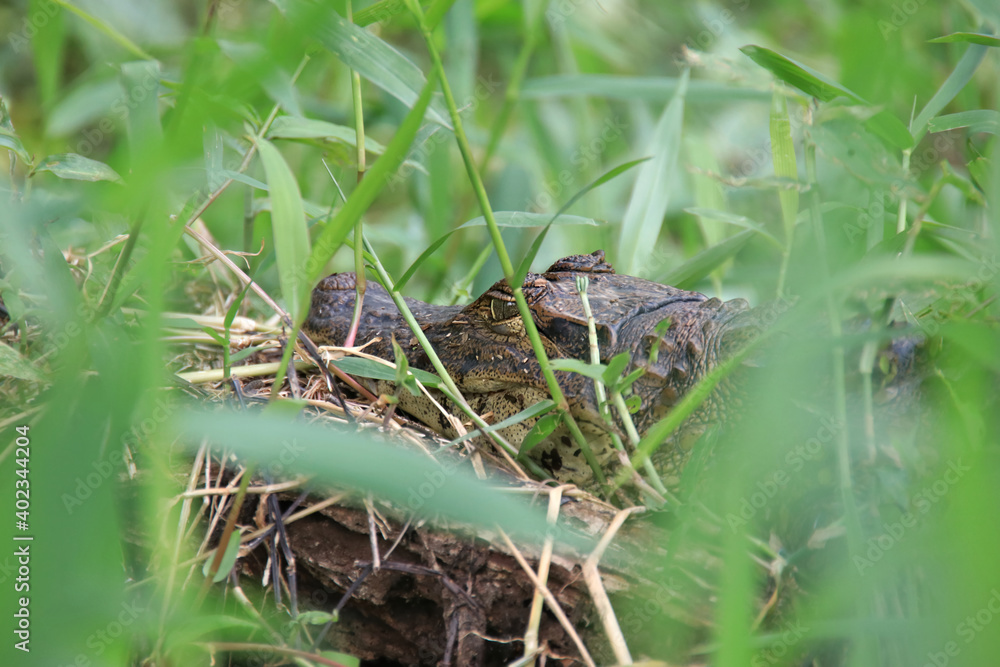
(650, 89)
(979, 120)
(690, 272)
(344, 457)
(737, 220)
(367, 368)
(955, 82)
(650, 196)
(970, 37)
(291, 236)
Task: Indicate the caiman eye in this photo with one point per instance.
(504, 316)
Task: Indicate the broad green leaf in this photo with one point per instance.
(794, 73)
(970, 37)
(593, 371)
(339, 456)
(525, 265)
(368, 368)
(371, 57)
(690, 272)
(12, 364)
(616, 366)
(334, 233)
(294, 127)
(650, 195)
(650, 89)
(955, 82)
(77, 168)
(542, 429)
(738, 220)
(818, 85)
(291, 235)
(979, 120)
(403, 376)
(228, 558)
(9, 138)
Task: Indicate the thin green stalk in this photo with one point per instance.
(633, 436)
(360, 282)
(852, 519)
(513, 93)
(450, 389)
(508, 269)
(901, 214)
(602, 398)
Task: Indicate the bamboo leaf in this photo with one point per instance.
(368, 55)
(818, 85)
(77, 168)
(955, 82)
(979, 120)
(690, 272)
(291, 235)
(970, 37)
(651, 193)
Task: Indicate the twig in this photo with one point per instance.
(550, 600)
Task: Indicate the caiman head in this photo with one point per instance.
(674, 336)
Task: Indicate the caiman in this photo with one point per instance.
(673, 335)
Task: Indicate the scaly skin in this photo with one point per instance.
(485, 350)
